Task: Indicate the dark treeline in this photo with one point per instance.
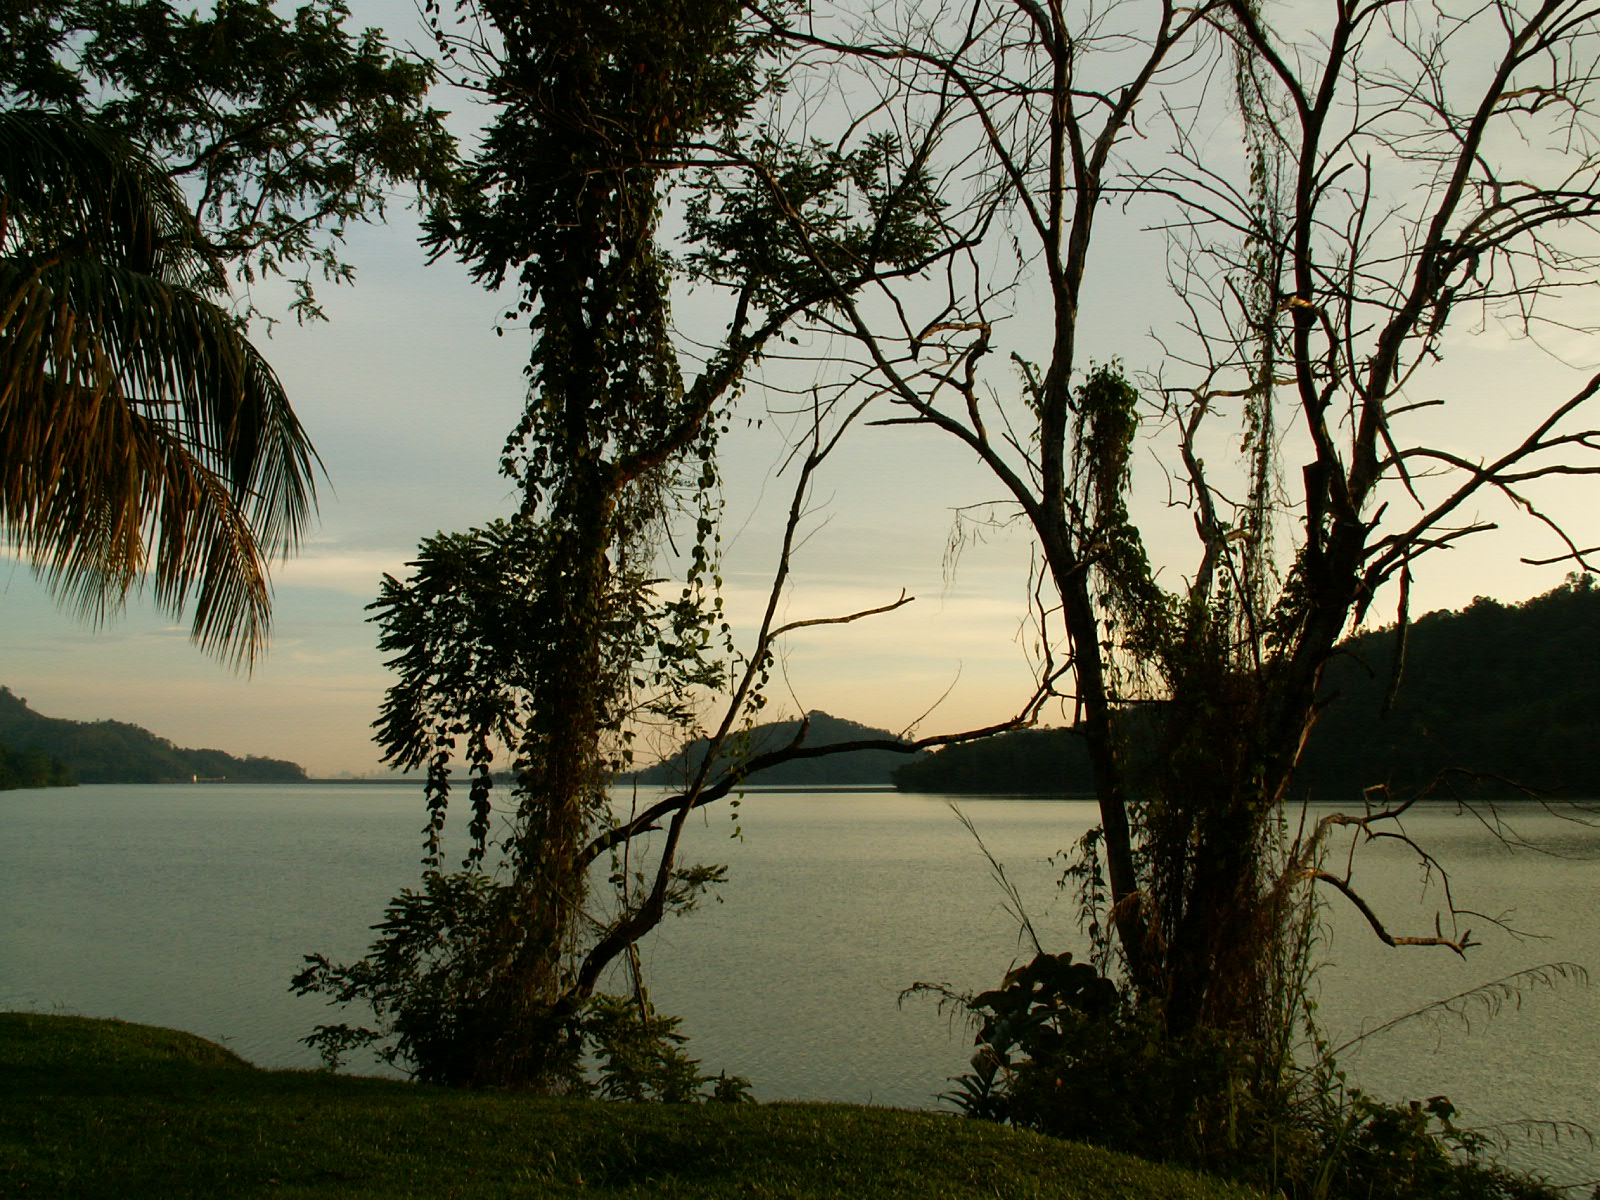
(1510, 691)
(1025, 762)
(1493, 698)
(115, 752)
(859, 768)
(32, 769)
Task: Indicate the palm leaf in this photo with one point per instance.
(141, 434)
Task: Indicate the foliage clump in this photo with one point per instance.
(1064, 1051)
(429, 982)
(284, 129)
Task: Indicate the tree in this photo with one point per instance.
(529, 634)
(550, 635)
(1380, 177)
(141, 429)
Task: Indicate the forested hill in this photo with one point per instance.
(1506, 690)
(858, 768)
(1510, 691)
(115, 752)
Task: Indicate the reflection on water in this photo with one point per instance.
(192, 906)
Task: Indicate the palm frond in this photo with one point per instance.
(140, 431)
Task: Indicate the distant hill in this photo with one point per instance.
(115, 752)
(1510, 691)
(860, 768)
(1024, 762)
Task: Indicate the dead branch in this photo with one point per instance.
(1459, 945)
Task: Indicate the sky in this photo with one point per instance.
(407, 394)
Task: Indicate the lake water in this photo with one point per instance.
(192, 906)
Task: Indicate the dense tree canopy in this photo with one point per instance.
(119, 752)
(31, 769)
(1488, 691)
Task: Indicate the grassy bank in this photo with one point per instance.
(106, 1109)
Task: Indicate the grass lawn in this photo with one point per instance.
(106, 1109)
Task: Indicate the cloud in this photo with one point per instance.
(355, 572)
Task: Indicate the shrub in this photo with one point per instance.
(424, 979)
(1062, 1050)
